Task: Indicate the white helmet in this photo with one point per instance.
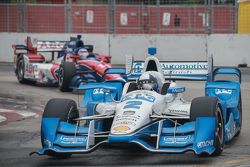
(83, 53)
(148, 81)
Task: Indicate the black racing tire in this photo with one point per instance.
(240, 110)
(206, 107)
(20, 70)
(65, 109)
(66, 72)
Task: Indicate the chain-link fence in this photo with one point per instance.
(119, 16)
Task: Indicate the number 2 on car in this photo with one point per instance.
(132, 104)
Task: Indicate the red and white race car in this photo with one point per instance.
(39, 61)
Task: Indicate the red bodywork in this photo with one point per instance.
(100, 68)
(32, 53)
(104, 58)
(35, 57)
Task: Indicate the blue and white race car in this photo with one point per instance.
(149, 112)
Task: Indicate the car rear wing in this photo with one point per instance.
(178, 70)
(39, 46)
(222, 72)
(50, 46)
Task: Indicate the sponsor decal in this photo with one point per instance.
(205, 143)
(138, 67)
(176, 68)
(47, 143)
(121, 128)
(185, 66)
(130, 120)
(133, 119)
(98, 91)
(140, 96)
(178, 140)
(73, 140)
(29, 68)
(128, 112)
(176, 89)
(178, 111)
(125, 122)
(223, 91)
(35, 68)
(50, 44)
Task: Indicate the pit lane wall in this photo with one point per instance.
(227, 49)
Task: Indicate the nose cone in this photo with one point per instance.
(130, 116)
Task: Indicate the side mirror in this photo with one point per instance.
(129, 63)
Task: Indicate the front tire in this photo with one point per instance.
(66, 110)
(66, 73)
(209, 107)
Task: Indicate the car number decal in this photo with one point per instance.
(133, 105)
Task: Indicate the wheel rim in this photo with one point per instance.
(220, 128)
(60, 79)
(20, 70)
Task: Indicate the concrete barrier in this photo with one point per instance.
(227, 49)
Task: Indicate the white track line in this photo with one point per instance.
(2, 119)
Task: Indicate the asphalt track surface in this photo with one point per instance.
(19, 138)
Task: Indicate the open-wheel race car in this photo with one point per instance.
(30, 64)
(81, 65)
(68, 59)
(149, 112)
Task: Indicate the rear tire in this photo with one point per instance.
(206, 107)
(66, 73)
(20, 69)
(240, 110)
(66, 110)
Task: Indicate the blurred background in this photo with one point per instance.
(180, 29)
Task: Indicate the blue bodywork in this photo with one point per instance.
(228, 94)
(161, 135)
(198, 136)
(84, 74)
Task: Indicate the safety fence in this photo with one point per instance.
(121, 17)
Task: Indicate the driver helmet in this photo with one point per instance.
(148, 81)
(83, 53)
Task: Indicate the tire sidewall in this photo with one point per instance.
(66, 73)
(65, 109)
(240, 115)
(219, 135)
(60, 78)
(20, 66)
